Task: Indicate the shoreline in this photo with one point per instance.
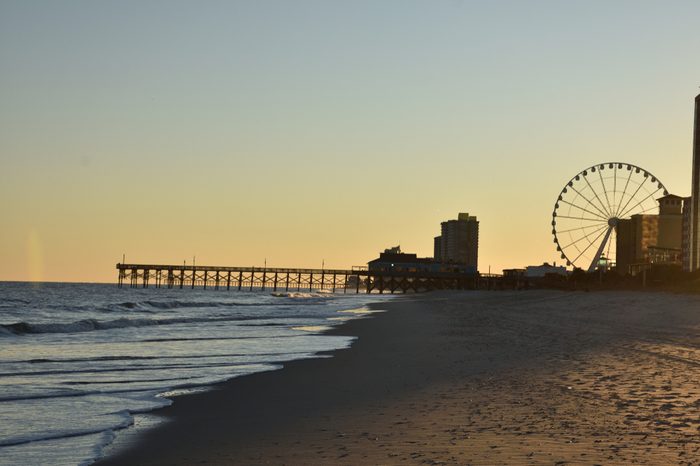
(133, 446)
(463, 377)
(133, 438)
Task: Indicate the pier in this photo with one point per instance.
(354, 280)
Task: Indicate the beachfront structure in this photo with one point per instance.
(685, 242)
(694, 249)
(651, 239)
(401, 262)
(540, 271)
(513, 273)
(634, 236)
(458, 242)
(393, 260)
(670, 222)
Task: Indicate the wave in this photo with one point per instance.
(154, 306)
(125, 421)
(90, 325)
(185, 383)
(151, 306)
(144, 358)
(15, 301)
(303, 294)
(175, 366)
(181, 304)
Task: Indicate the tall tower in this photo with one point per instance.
(695, 193)
(459, 241)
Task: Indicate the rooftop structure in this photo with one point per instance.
(540, 271)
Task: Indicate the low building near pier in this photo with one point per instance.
(393, 260)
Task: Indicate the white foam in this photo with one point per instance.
(302, 295)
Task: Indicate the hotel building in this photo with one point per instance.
(459, 241)
(651, 239)
(694, 250)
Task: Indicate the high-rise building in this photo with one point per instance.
(694, 256)
(685, 242)
(634, 237)
(437, 247)
(459, 241)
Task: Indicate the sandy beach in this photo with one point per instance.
(482, 378)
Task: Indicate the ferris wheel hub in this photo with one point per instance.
(612, 222)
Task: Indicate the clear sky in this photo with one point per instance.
(302, 131)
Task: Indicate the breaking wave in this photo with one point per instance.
(90, 325)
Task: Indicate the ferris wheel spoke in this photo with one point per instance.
(581, 228)
(585, 210)
(624, 191)
(585, 237)
(630, 199)
(589, 202)
(579, 218)
(596, 196)
(614, 191)
(640, 202)
(605, 191)
(647, 210)
(591, 243)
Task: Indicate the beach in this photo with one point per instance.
(535, 377)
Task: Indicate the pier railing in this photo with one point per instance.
(289, 279)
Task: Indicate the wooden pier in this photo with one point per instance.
(286, 279)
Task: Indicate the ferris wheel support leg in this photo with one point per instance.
(599, 253)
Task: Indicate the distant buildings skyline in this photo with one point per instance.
(651, 238)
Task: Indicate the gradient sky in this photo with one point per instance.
(302, 131)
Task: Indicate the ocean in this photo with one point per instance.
(79, 362)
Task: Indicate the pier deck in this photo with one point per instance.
(288, 279)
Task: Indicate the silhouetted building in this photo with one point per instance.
(634, 236)
(541, 271)
(651, 239)
(670, 222)
(694, 250)
(458, 242)
(513, 273)
(685, 242)
(393, 260)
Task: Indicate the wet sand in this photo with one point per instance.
(482, 378)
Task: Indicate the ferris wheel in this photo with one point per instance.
(592, 203)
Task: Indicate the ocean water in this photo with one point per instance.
(79, 361)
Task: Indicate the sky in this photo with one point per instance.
(301, 133)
